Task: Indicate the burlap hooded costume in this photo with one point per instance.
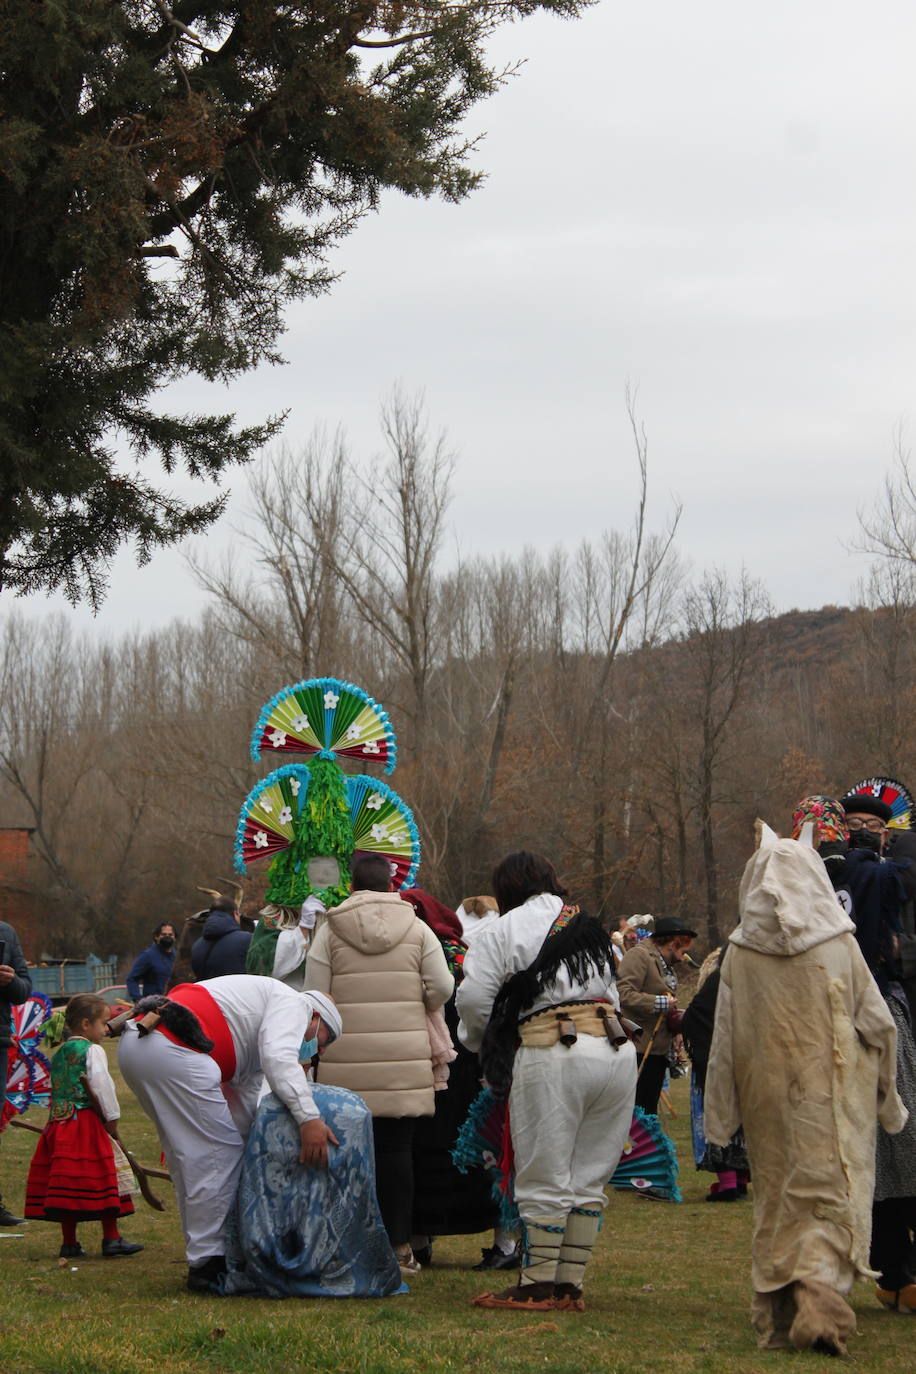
(803, 1054)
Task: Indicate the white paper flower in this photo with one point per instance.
(260, 839)
(277, 738)
(379, 832)
(294, 786)
(397, 839)
(375, 802)
(330, 700)
(371, 747)
(266, 804)
(286, 815)
(300, 724)
(354, 731)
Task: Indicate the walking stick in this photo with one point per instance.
(140, 1172)
(655, 1029)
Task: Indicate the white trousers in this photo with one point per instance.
(569, 1113)
(180, 1090)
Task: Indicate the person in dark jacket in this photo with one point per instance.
(15, 988)
(222, 947)
(151, 969)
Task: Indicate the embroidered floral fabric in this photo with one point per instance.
(298, 1232)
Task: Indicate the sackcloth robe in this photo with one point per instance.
(803, 1054)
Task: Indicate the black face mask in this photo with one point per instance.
(865, 839)
(166, 942)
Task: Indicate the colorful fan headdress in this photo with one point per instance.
(309, 818)
(894, 795)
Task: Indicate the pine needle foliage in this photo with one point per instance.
(172, 175)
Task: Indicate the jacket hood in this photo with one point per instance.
(787, 902)
(218, 924)
(372, 922)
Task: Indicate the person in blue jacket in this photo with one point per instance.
(222, 947)
(151, 969)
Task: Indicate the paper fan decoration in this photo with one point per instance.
(894, 795)
(28, 1071)
(276, 809)
(383, 824)
(648, 1159)
(325, 716)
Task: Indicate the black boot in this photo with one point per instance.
(6, 1216)
(209, 1276)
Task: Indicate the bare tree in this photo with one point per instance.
(723, 639)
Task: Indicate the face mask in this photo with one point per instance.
(865, 839)
(166, 942)
(307, 1050)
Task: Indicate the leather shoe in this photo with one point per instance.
(494, 1258)
(7, 1218)
(72, 1251)
(208, 1277)
(112, 1249)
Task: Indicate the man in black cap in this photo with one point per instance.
(647, 983)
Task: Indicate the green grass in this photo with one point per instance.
(668, 1292)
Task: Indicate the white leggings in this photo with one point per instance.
(569, 1113)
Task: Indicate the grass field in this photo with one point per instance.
(668, 1292)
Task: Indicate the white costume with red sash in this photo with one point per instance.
(203, 1104)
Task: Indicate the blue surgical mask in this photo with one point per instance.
(307, 1050)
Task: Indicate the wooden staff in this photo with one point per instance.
(655, 1029)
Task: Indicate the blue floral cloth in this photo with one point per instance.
(298, 1232)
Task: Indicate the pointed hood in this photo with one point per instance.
(786, 901)
(372, 922)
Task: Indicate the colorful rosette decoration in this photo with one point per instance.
(326, 717)
(894, 795)
(28, 1080)
(372, 817)
(308, 819)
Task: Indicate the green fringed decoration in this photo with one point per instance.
(322, 827)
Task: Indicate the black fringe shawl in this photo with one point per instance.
(178, 1020)
(583, 947)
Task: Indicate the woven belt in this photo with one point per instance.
(566, 1022)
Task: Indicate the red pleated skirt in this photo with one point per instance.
(72, 1175)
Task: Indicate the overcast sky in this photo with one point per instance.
(713, 201)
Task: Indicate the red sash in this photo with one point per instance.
(213, 1023)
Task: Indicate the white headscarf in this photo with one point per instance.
(327, 1011)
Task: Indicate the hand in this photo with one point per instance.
(7, 975)
(315, 1137)
(675, 1017)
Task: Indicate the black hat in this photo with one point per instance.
(866, 805)
(667, 926)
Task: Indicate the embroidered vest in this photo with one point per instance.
(68, 1094)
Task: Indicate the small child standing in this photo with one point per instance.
(79, 1171)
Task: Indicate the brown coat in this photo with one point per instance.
(640, 978)
(384, 968)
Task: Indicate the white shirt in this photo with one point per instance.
(289, 957)
(268, 1022)
(505, 947)
(102, 1083)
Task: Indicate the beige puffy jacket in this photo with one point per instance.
(384, 968)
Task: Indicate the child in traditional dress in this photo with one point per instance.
(79, 1171)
